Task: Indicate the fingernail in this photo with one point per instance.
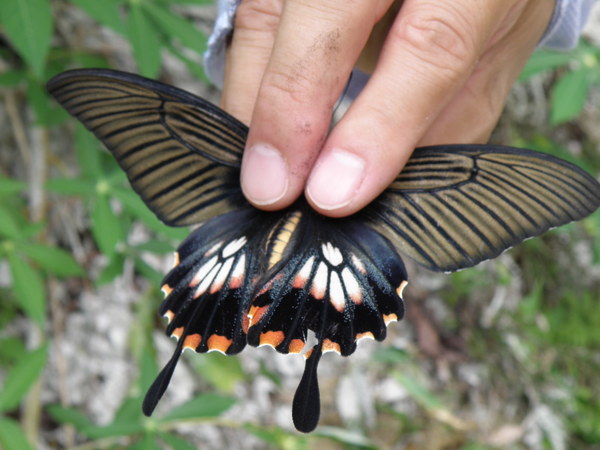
(336, 179)
(264, 178)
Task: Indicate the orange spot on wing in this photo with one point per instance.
(256, 313)
(177, 332)
(365, 335)
(235, 282)
(176, 260)
(272, 338)
(192, 341)
(219, 343)
(387, 318)
(169, 315)
(166, 289)
(245, 323)
(330, 346)
(296, 346)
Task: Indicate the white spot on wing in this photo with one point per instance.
(203, 271)
(358, 264)
(400, 289)
(302, 276)
(207, 281)
(332, 254)
(319, 284)
(352, 286)
(175, 259)
(238, 272)
(213, 249)
(221, 276)
(234, 246)
(336, 292)
(306, 268)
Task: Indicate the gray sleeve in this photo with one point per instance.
(562, 33)
(566, 24)
(214, 57)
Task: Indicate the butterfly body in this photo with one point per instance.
(246, 276)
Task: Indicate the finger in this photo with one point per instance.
(428, 56)
(473, 113)
(316, 46)
(256, 23)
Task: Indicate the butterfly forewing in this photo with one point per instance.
(181, 153)
(454, 206)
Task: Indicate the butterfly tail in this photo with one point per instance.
(306, 407)
(159, 386)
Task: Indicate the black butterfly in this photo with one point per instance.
(267, 278)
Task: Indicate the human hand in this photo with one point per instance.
(442, 77)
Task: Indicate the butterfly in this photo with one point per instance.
(247, 276)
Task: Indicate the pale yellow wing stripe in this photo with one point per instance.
(181, 154)
(455, 206)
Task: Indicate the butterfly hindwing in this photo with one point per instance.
(208, 289)
(455, 206)
(337, 279)
(340, 280)
(181, 153)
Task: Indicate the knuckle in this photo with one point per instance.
(258, 14)
(288, 83)
(439, 40)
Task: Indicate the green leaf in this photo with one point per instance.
(221, 371)
(11, 349)
(9, 225)
(148, 442)
(12, 78)
(70, 416)
(193, 66)
(132, 203)
(9, 186)
(149, 272)
(114, 429)
(144, 40)
(176, 443)
(130, 411)
(21, 377)
(87, 428)
(105, 11)
(148, 370)
(174, 26)
(390, 355)
(105, 226)
(88, 153)
(155, 246)
(29, 288)
(52, 259)
(352, 439)
(569, 95)
(12, 436)
(28, 25)
(72, 186)
(188, 2)
(39, 101)
(418, 392)
(207, 405)
(542, 61)
(113, 269)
